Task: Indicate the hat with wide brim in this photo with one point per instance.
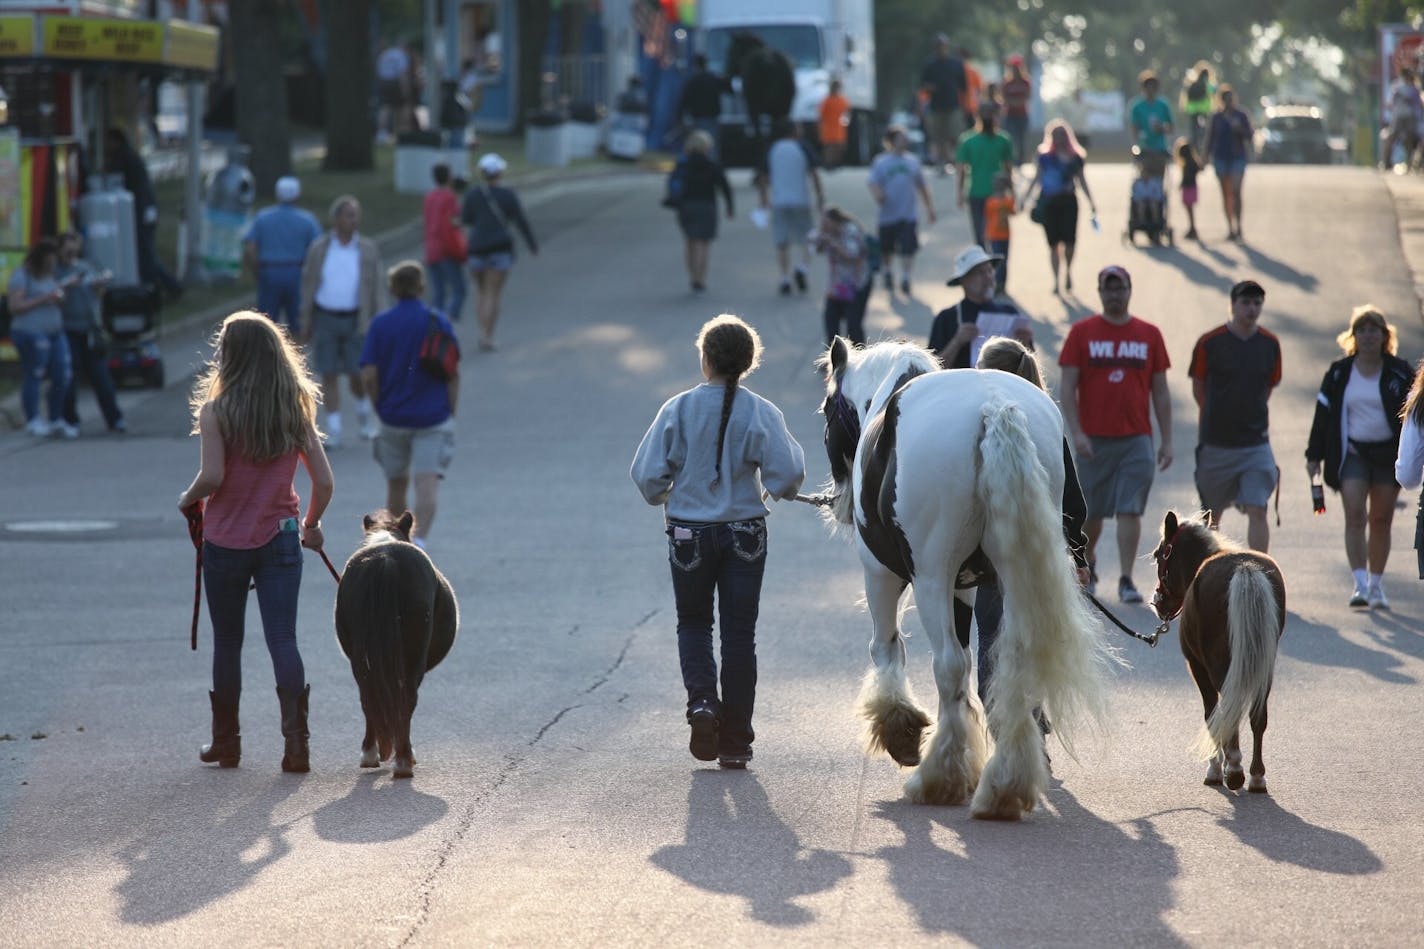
(492, 164)
(967, 259)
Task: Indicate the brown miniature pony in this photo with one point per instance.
(1233, 607)
(396, 618)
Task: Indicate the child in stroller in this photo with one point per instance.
(1148, 210)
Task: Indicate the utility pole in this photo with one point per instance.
(194, 273)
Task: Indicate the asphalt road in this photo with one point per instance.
(555, 801)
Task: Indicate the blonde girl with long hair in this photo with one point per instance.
(254, 410)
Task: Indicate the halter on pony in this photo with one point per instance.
(1161, 600)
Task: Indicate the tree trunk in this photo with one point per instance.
(261, 89)
(534, 17)
(349, 77)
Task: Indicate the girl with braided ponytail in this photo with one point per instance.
(708, 458)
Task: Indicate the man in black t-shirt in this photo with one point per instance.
(700, 104)
(958, 332)
(944, 81)
(1234, 369)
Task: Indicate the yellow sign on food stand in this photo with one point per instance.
(130, 41)
(17, 35)
(191, 46)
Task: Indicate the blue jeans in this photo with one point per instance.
(447, 286)
(279, 295)
(43, 356)
(276, 567)
(96, 369)
(726, 559)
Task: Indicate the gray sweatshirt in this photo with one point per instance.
(677, 460)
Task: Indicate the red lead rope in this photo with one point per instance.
(194, 514)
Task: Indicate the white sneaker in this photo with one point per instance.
(1378, 601)
(38, 427)
(369, 428)
(68, 431)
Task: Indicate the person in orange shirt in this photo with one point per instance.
(973, 86)
(833, 125)
(998, 208)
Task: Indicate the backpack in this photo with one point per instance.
(676, 185)
(439, 354)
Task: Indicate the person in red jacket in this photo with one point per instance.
(445, 251)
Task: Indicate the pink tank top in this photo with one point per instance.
(246, 511)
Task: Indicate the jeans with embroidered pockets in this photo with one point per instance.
(726, 560)
(276, 568)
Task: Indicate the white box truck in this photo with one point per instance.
(824, 39)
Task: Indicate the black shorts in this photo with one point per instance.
(899, 237)
(1060, 218)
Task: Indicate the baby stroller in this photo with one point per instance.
(129, 315)
(1147, 207)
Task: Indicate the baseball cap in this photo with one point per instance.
(492, 164)
(967, 259)
(1114, 271)
(1247, 288)
(288, 188)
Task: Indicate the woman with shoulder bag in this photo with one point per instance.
(697, 209)
(1355, 439)
(1058, 173)
(492, 212)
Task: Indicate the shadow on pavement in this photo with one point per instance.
(1281, 837)
(221, 839)
(998, 891)
(1278, 271)
(377, 813)
(736, 844)
(1326, 646)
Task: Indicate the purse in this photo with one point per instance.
(1035, 213)
(439, 354)
(458, 246)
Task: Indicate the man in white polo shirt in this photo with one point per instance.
(341, 292)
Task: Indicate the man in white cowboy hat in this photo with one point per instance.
(959, 332)
(273, 249)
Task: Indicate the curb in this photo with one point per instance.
(533, 180)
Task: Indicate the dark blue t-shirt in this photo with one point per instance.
(409, 397)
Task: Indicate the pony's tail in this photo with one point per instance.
(378, 655)
(1254, 627)
(1050, 649)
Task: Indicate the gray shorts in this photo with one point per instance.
(1118, 476)
(1243, 477)
(336, 344)
(402, 452)
(790, 225)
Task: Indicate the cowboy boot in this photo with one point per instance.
(294, 729)
(226, 746)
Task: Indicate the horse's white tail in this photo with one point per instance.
(1050, 649)
(1254, 629)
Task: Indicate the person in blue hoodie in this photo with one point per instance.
(710, 457)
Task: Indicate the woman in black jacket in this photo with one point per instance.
(697, 209)
(1354, 440)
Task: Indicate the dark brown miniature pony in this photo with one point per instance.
(1233, 607)
(396, 618)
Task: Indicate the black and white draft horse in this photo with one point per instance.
(396, 619)
(933, 469)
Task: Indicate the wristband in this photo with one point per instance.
(316, 526)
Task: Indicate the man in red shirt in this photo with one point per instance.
(1114, 365)
(444, 244)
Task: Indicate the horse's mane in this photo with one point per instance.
(885, 360)
(1213, 541)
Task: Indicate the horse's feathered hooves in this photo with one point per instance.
(899, 733)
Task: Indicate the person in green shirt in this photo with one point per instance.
(1151, 116)
(984, 152)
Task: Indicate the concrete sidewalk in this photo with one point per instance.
(1408, 193)
(184, 341)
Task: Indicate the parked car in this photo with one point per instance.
(1294, 134)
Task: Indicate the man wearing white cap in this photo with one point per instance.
(273, 249)
(492, 212)
(958, 332)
